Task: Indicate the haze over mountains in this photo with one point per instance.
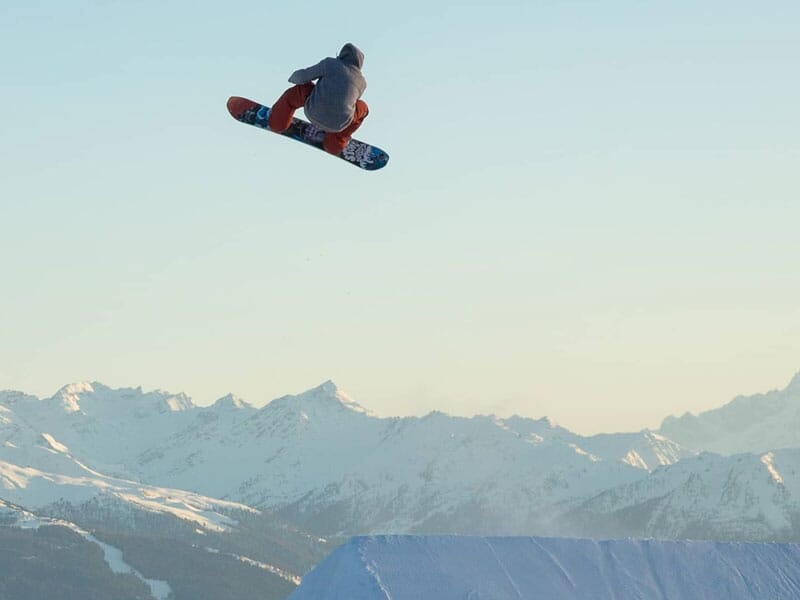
(275, 486)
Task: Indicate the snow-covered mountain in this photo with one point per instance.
(758, 424)
(101, 425)
(161, 485)
(40, 490)
(328, 465)
(53, 458)
(325, 461)
(644, 449)
(745, 496)
(36, 469)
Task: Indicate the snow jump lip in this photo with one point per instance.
(458, 567)
(358, 153)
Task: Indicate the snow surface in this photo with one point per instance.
(475, 568)
(160, 590)
(34, 488)
(282, 573)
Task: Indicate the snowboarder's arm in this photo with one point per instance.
(305, 75)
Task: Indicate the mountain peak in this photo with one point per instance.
(549, 422)
(87, 398)
(231, 402)
(325, 396)
(756, 423)
(80, 387)
(69, 396)
(330, 391)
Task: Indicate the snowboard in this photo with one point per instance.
(360, 154)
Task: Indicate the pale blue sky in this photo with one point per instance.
(591, 211)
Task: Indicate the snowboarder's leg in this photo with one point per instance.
(335, 142)
(280, 116)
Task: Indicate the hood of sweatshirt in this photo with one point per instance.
(351, 55)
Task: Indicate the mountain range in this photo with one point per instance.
(274, 488)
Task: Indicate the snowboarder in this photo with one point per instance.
(333, 104)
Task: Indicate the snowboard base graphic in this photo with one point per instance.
(360, 154)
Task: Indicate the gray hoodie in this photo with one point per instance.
(340, 84)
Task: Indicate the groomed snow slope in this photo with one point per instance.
(484, 568)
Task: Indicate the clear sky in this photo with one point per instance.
(591, 210)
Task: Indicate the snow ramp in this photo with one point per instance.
(500, 568)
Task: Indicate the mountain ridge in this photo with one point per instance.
(327, 464)
(756, 423)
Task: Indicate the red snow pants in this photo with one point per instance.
(280, 117)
